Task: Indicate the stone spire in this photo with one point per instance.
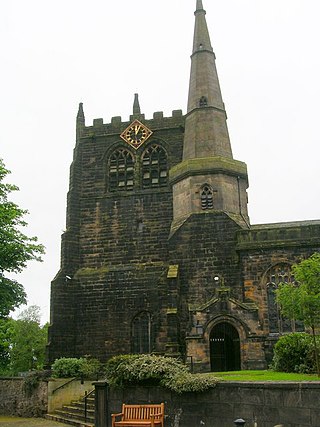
(206, 131)
(207, 165)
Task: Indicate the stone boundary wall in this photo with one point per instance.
(16, 399)
(289, 404)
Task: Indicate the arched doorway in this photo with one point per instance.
(224, 348)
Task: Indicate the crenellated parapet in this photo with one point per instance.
(117, 125)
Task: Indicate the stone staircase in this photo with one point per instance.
(76, 413)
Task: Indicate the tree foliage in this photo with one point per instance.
(22, 342)
(6, 332)
(16, 249)
(301, 300)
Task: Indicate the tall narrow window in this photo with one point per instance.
(154, 167)
(121, 170)
(206, 197)
(141, 333)
(203, 102)
(280, 273)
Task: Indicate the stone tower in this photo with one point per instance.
(158, 253)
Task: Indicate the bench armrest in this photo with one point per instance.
(116, 415)
(159, 417)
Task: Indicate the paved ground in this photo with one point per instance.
(28, 422)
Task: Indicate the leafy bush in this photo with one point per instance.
(67, 367)
(187, 382)
(294, 353)
(73, 367)
(155, 370)
(115, 369)
(91, 368)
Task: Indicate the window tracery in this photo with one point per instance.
(154, 167)
(141, 333)
(280, 273)
(121, 170)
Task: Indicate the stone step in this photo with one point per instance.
(75, 413)
(69, 421)
(80, 404)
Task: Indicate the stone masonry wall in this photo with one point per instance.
(290, 404)
(264, 247)
(16, 400)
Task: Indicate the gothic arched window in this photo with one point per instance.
(141, 333)
(121, 170)
(154, 167)
(280, 273)
(206, 197)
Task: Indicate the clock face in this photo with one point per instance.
(136, 134)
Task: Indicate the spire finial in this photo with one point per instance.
(81, 122)
(201, 40)
(199, 5)
(136, 105)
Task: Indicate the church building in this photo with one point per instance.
(159, 255)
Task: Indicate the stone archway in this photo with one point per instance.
(224, 348)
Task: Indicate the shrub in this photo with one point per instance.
(67, 367)
(142, 369)
(73, 367)
(155, 370)
(294, 353)
(91, 368)
(187, 382)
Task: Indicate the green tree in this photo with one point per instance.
(29, 339)
(301, 301)
(15, 247)
(6, 331)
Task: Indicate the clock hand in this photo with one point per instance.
(137, 128)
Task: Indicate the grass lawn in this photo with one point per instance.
(263, 376)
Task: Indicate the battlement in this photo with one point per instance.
(116, 126)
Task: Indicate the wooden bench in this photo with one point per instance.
(139, 415)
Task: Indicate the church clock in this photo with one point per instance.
(136, 134)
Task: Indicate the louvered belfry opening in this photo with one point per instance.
(121, 170)
(206, 197)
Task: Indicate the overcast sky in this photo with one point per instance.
(56, 54)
